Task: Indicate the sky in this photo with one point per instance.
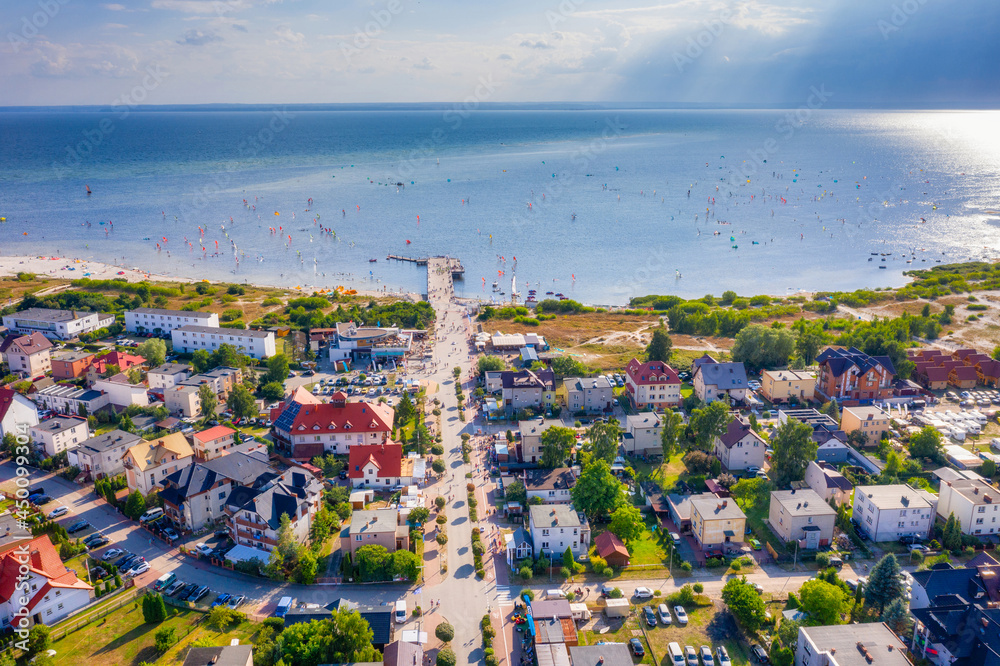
(858, 53)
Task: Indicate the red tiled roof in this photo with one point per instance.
(6, 400)
(353, 416)
(965, 373)
(988, 368)
(29, 344)
(388, 458)
(651, 372)
(43, 560)
(213, 433)
(608, 544)
(936, 374)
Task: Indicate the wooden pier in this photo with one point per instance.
(457, 270)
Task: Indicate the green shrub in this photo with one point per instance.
(823, 560)
(445, 632)
(699, 588)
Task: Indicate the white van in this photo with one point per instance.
(400, 613)
(555, 594)
(675, 654)
(152, 514)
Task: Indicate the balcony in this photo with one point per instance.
(251, 524)
(258, 537)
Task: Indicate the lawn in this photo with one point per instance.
(647, 549)
(618, 630)
(122, 638)
(707, 625)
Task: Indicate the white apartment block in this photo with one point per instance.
(975, 503)
(256, 344)
(155, 320)
(67, 399)
(57, 324)
(60, 434)
(887, 513)
(164, 376)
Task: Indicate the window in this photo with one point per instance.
(222, 495)
(981, 509)
(357, 538)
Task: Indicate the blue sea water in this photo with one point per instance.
(598, 204)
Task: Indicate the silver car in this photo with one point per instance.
(706, 656)
(691, 655)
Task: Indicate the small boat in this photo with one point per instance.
(882, 267)
(88, 190)
(372, 261)
(548, 293)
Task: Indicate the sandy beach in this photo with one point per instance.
(70, 268)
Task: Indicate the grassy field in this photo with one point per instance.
(618, 630)
(122, 638)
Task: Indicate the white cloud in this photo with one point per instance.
(115, 26)
(289, 35)
(114, 7)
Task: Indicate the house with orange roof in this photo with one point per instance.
(33, 580)
(214, 442)
(336, 427)
(148, 463)
(379, 466)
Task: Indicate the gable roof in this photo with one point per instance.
(841, 360)
(736, 430)
(352, 416)
(110, 440)
(965, 373)
(154, 452)
(280, 496)
(651, 372)
(212, 433)
(388, 459)
(188, 482)
(32, 343)
(543, 379)
(399, 653)
(42, 560)
(609, 544)
(549, 479)
(726, 376)
(242, 468)
(936, 373)
(228, 655)
(7, 398)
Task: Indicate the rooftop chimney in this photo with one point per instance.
(725, 503)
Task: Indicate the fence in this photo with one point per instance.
(83, 619)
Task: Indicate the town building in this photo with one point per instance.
(17, 413)
(253, 515)
(101, 455)
(608, 654)
(551, 486)
(611, 549)
(27, 355)
(531, 437)
(60, 433)
(102, 364)
(643, 435)
(379, 527)
(716, 521)
(872, 644)
(802, 516)
(182, 400)
(214, 442)
(69, 399)
(780, 386)
(527, 389)
(831, 441)
(255, 344)
(121, 392)
(379, 465)
(739, 447)
(379, 619)
(34, 581)
(588, 394)
(71, 364)
(221, 380)
(851, 374)
(57, 324)
(161, 322)
(886, 513)
(975, 503)
(828, 483)
(368, 342)
(652, 385)
(148, 463)
(556, 527)
(336, 426)
(871, 421)
(719, 381)
(167, 375)
(195, 496)
(227, 655)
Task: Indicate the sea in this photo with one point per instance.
(595, 203)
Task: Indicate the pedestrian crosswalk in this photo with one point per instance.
(503, 594)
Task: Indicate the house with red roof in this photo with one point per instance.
(989, 372)
(214, 442)
(31, 571)
(336, 427)
(963, 377)
(379, 466)
(652, 385)
(611, 549)
(121, 359)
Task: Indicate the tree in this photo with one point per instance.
(222, 616)
(726, 480)
(345, 637)
(824, 602)
(418, 516)
(709, 422)
(445, 657)
(438, 466)
(604, 440)
(322, 524)
(135, 505)
(445, 632)
(951, 538)
(404, 410)
(38, 639)
(698, 462)
(241, 402)
(557, 442)
(883, 584)
(896, 615)
(759, 346)
(809, 340)
(793, 449)
(272, 391)
(372, 562)
(153, 608)
(660, 345)
(568, 559)
(201, 360)
(277, 369)
(627, 523)
(831, 409)
(926, 443)
(306, 568)
(154, 351)
(489, 364)
(988, 469)
(208, 400)
(404, 564)
(567, 366)
(287, 543)
(744, 602)
(669, 436)
(516, 492)
(164, 639)
(597, 492)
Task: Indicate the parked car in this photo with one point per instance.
(170, 533)
(221, 534)
(676, 538)
(706, 656)
(722, 654)
(682, 616)
(203, 549)
(635, 645)
(664, 614)
(41, 500)
(174, 587)
(643, 593)
(112, 554)
(690, 655)
(55, 513)
(236, 602)
(221, 599)
(184, 590)
(140, 568)
(101, 540)
(650, 615)
(199, 593)
(78, 526)
(759, 654)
